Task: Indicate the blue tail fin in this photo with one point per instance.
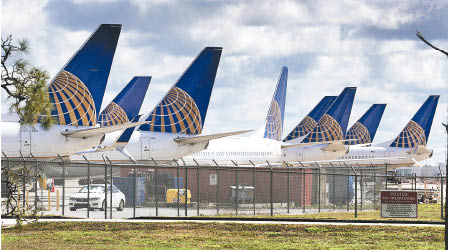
(275, 116)
(363, 131)
(310, 121)
(417, 130)
(333, 123)
(77, 91)
(126, 134)
(127, 103)
(183, 109)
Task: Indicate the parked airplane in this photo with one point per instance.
(407, 149)
(264, 145)
(310, 121)
(176, 123)
(76, 93)
(326, 141)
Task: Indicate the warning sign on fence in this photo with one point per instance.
(398, 204)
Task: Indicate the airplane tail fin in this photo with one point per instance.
(183, 109)
(310, 121)
(275, 116)
(363, 131)
(77, 90)
(127, 103)
(333, 123)
(417, 130)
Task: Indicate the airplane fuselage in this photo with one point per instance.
(34, 140)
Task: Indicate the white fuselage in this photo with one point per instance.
(240, 150)
(146, 146)
(24, 140)
(319, 152)
(393, 157)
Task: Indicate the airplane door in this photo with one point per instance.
(25, 142)
(145, 149)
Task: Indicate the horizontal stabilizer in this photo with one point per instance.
(89, 132)
(203, 138)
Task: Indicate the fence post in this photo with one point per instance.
(64, 185)
(186, 188)
(304, 190)
(35, 182)
(88, 185)
(57, 200)
(49, 201)
(178, 188)
(361, 189)
(236, 190)
(386, 176)
(23, 182)
(198, 188)
(9, 194)
(111, 191)
(374, 190)
(348, 189)
(217, 187)
(134, 191)
(254, 187)
(442, 193)
(356, 192)
(156, 187)
(271, 189)
(320, 180)
(106, 189)
(288, 188)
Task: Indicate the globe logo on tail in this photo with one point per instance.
(112, 115)
(411, 136)
(358, 134)
(274, 126)
(176, 113)
(327, 129)
(72, 102)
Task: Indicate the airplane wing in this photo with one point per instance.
(353, 160)
(203, 138)
(89, 132)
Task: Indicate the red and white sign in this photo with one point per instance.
(398, 204)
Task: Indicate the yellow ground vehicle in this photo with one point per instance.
(172, 196)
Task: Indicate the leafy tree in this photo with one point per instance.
(25, 85)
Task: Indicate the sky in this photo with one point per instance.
(327, 45)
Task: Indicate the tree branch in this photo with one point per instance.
(419, 35)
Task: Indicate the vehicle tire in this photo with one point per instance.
(73, 209)
(103, 206)
(121, 205)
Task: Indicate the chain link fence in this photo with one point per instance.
(110, 190)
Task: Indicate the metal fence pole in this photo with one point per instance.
(178, 188)
(156, 187)
(35, 182)
(320, 180)
(9, 194)
(111, 191)
(271, 189)
(361, 190)
(23, 183)
(198, 188)
(88, 185)
(217, 187)
(106, 189)
(254, 187)
(356, 191)
(304, 190)
(348, 189)
(236, 190)
(288, 190)
(442, 193)
(134, 191)
(374, 190)
(386, 178)
(186, 188)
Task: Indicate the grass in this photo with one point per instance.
(427, 212)
(95, 235)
